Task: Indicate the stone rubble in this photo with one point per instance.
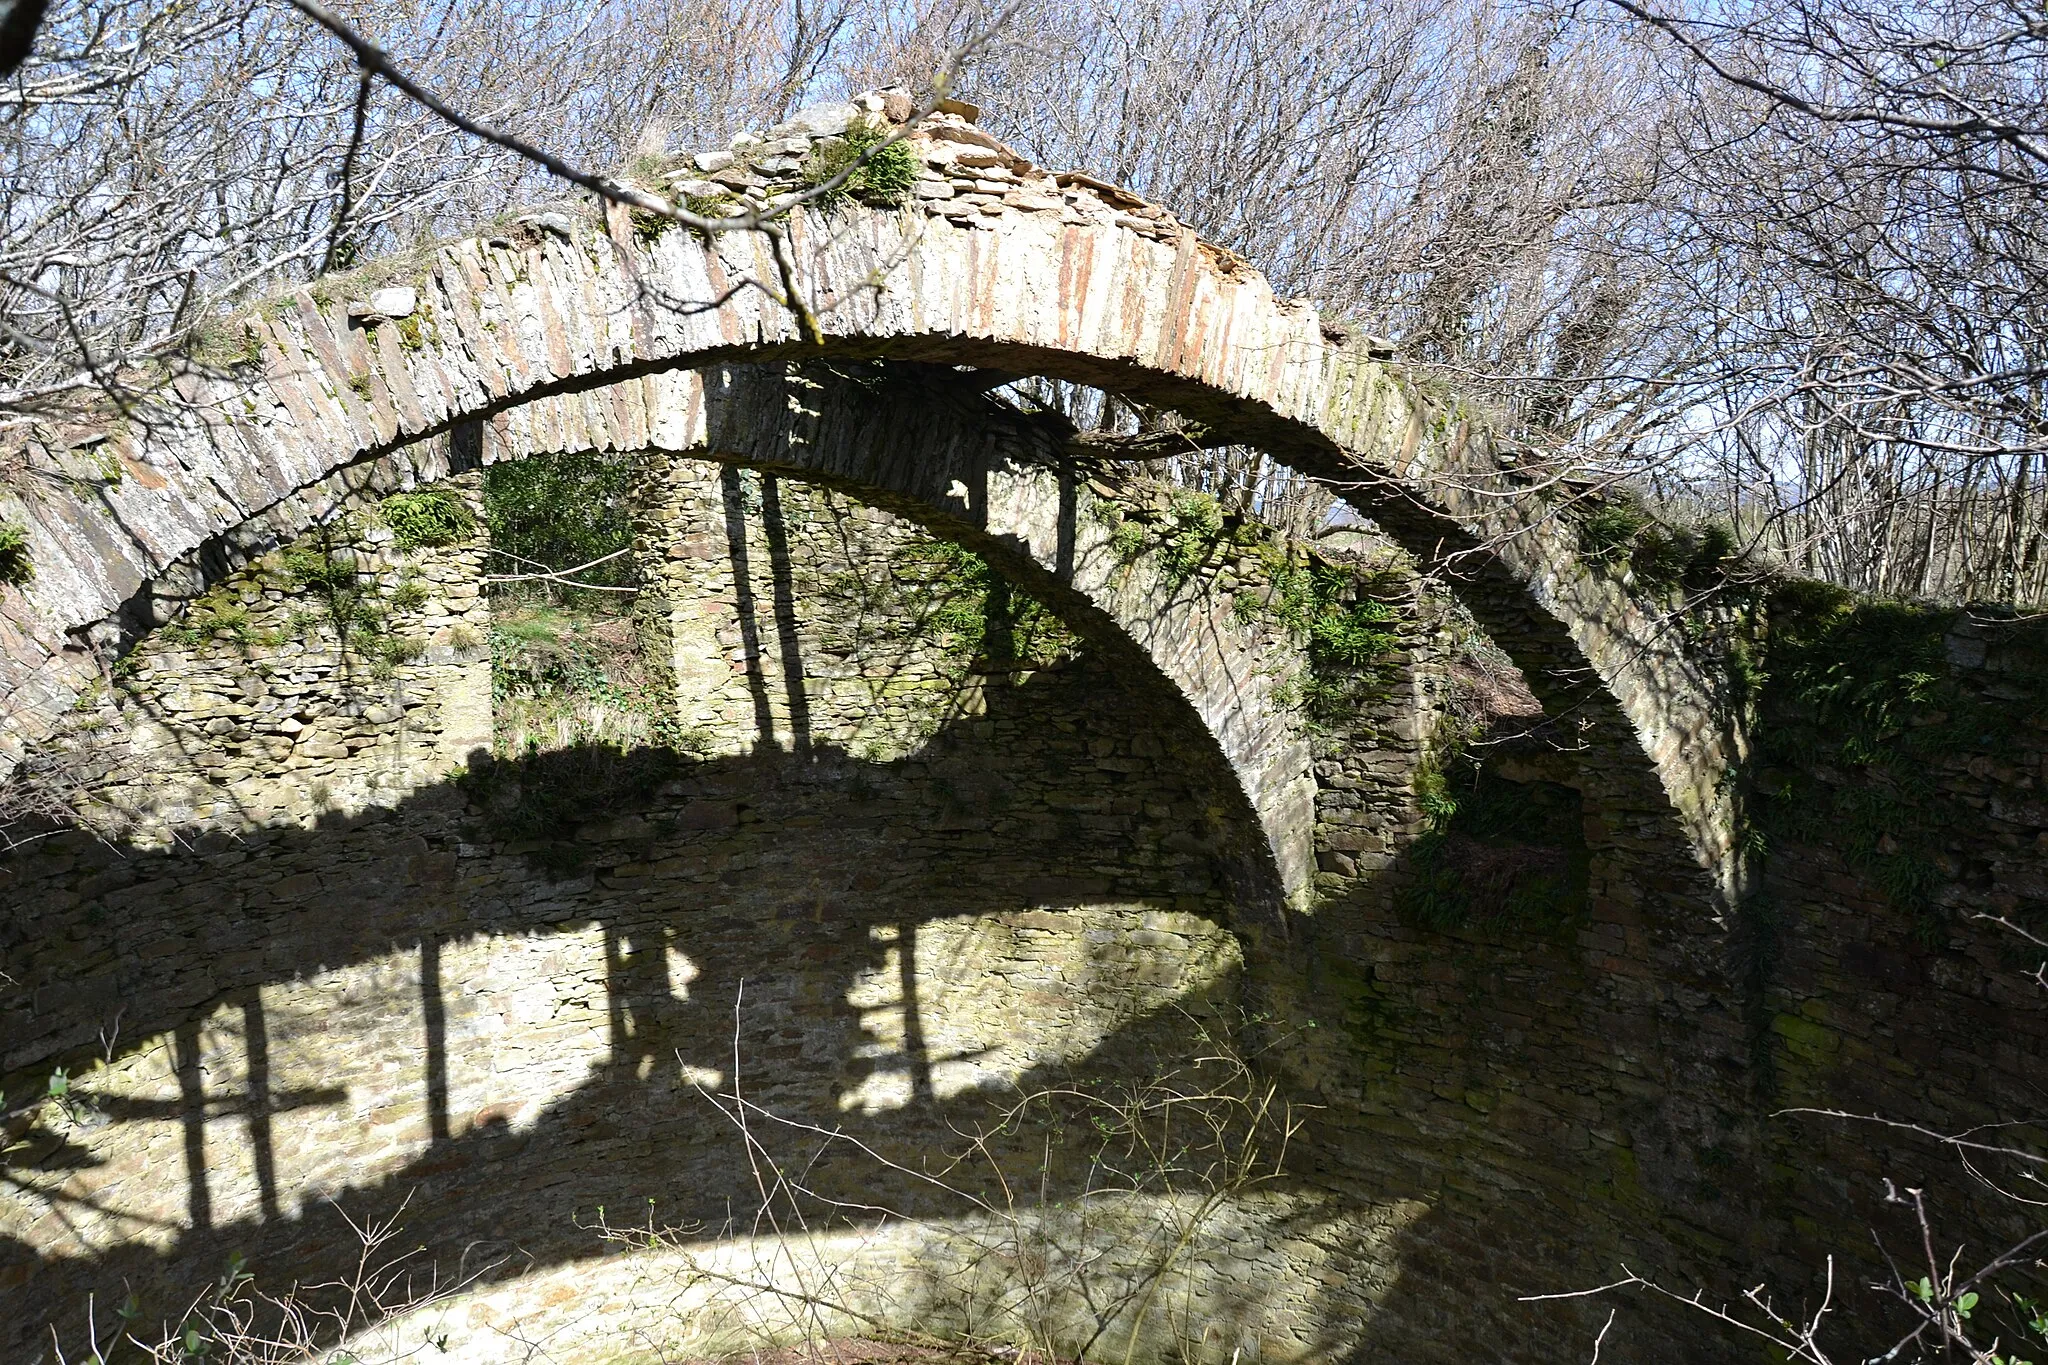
(967, 176)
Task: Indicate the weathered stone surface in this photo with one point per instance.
(1099, 291)
(1502, 1112)
(956, 881)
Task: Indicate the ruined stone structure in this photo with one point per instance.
(881, 880)
(1058, 275)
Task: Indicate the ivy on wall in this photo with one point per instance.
(1858, 711)
(1496, 853)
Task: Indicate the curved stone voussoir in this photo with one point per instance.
(995, 265)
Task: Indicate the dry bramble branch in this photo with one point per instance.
(237, 1322)
(1083, 1209)
(1975, 1312)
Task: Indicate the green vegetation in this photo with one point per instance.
(579, 723)
(1196, 527)
(710, 206)
(324, 566)
(885, 180)
(650, 168)
(431, 517)
(1187, 536)
(1346, 631)
(648, 226)
(1857, 713)
(1854, 707)
(557, 513)
(16, 568)
(219, 344)
(216, 616)
(581, 733)
(1659, 557)
(1496, 853)
(562, 677)
(952, 595)
(1326, 602)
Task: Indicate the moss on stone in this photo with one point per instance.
(430, 517)
(1621, 535)
(16, 567)
(885, 179)
(1857, 710)
(648, 226)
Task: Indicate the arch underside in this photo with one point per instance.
(576, 318)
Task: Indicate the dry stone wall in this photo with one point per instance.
(906, 879)
(341, 672)
(1088, 285)
(1931, 1015)
(957, 881)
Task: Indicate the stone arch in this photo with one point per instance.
(564, 312)
(976, 472)
(970, 470)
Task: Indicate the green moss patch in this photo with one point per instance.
(431, 517)
(885, 179)
(216, 618)
(1858, 714)
(1660, 557)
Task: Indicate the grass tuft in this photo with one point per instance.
(885, 180)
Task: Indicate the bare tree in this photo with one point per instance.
(189, 159)
(1780, 261)
(1857, 202)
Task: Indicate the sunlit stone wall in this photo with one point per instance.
(314, 974)
(884, 889)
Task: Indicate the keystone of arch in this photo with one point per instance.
(1176, 322)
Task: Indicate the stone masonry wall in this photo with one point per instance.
(955, 884)
(793, 618)
(1933, 1018)
(883, 885)
(274, 699)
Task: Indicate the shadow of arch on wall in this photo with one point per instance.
(505, 321)
(528, 1176)
(930, 445)
(527, 1173)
